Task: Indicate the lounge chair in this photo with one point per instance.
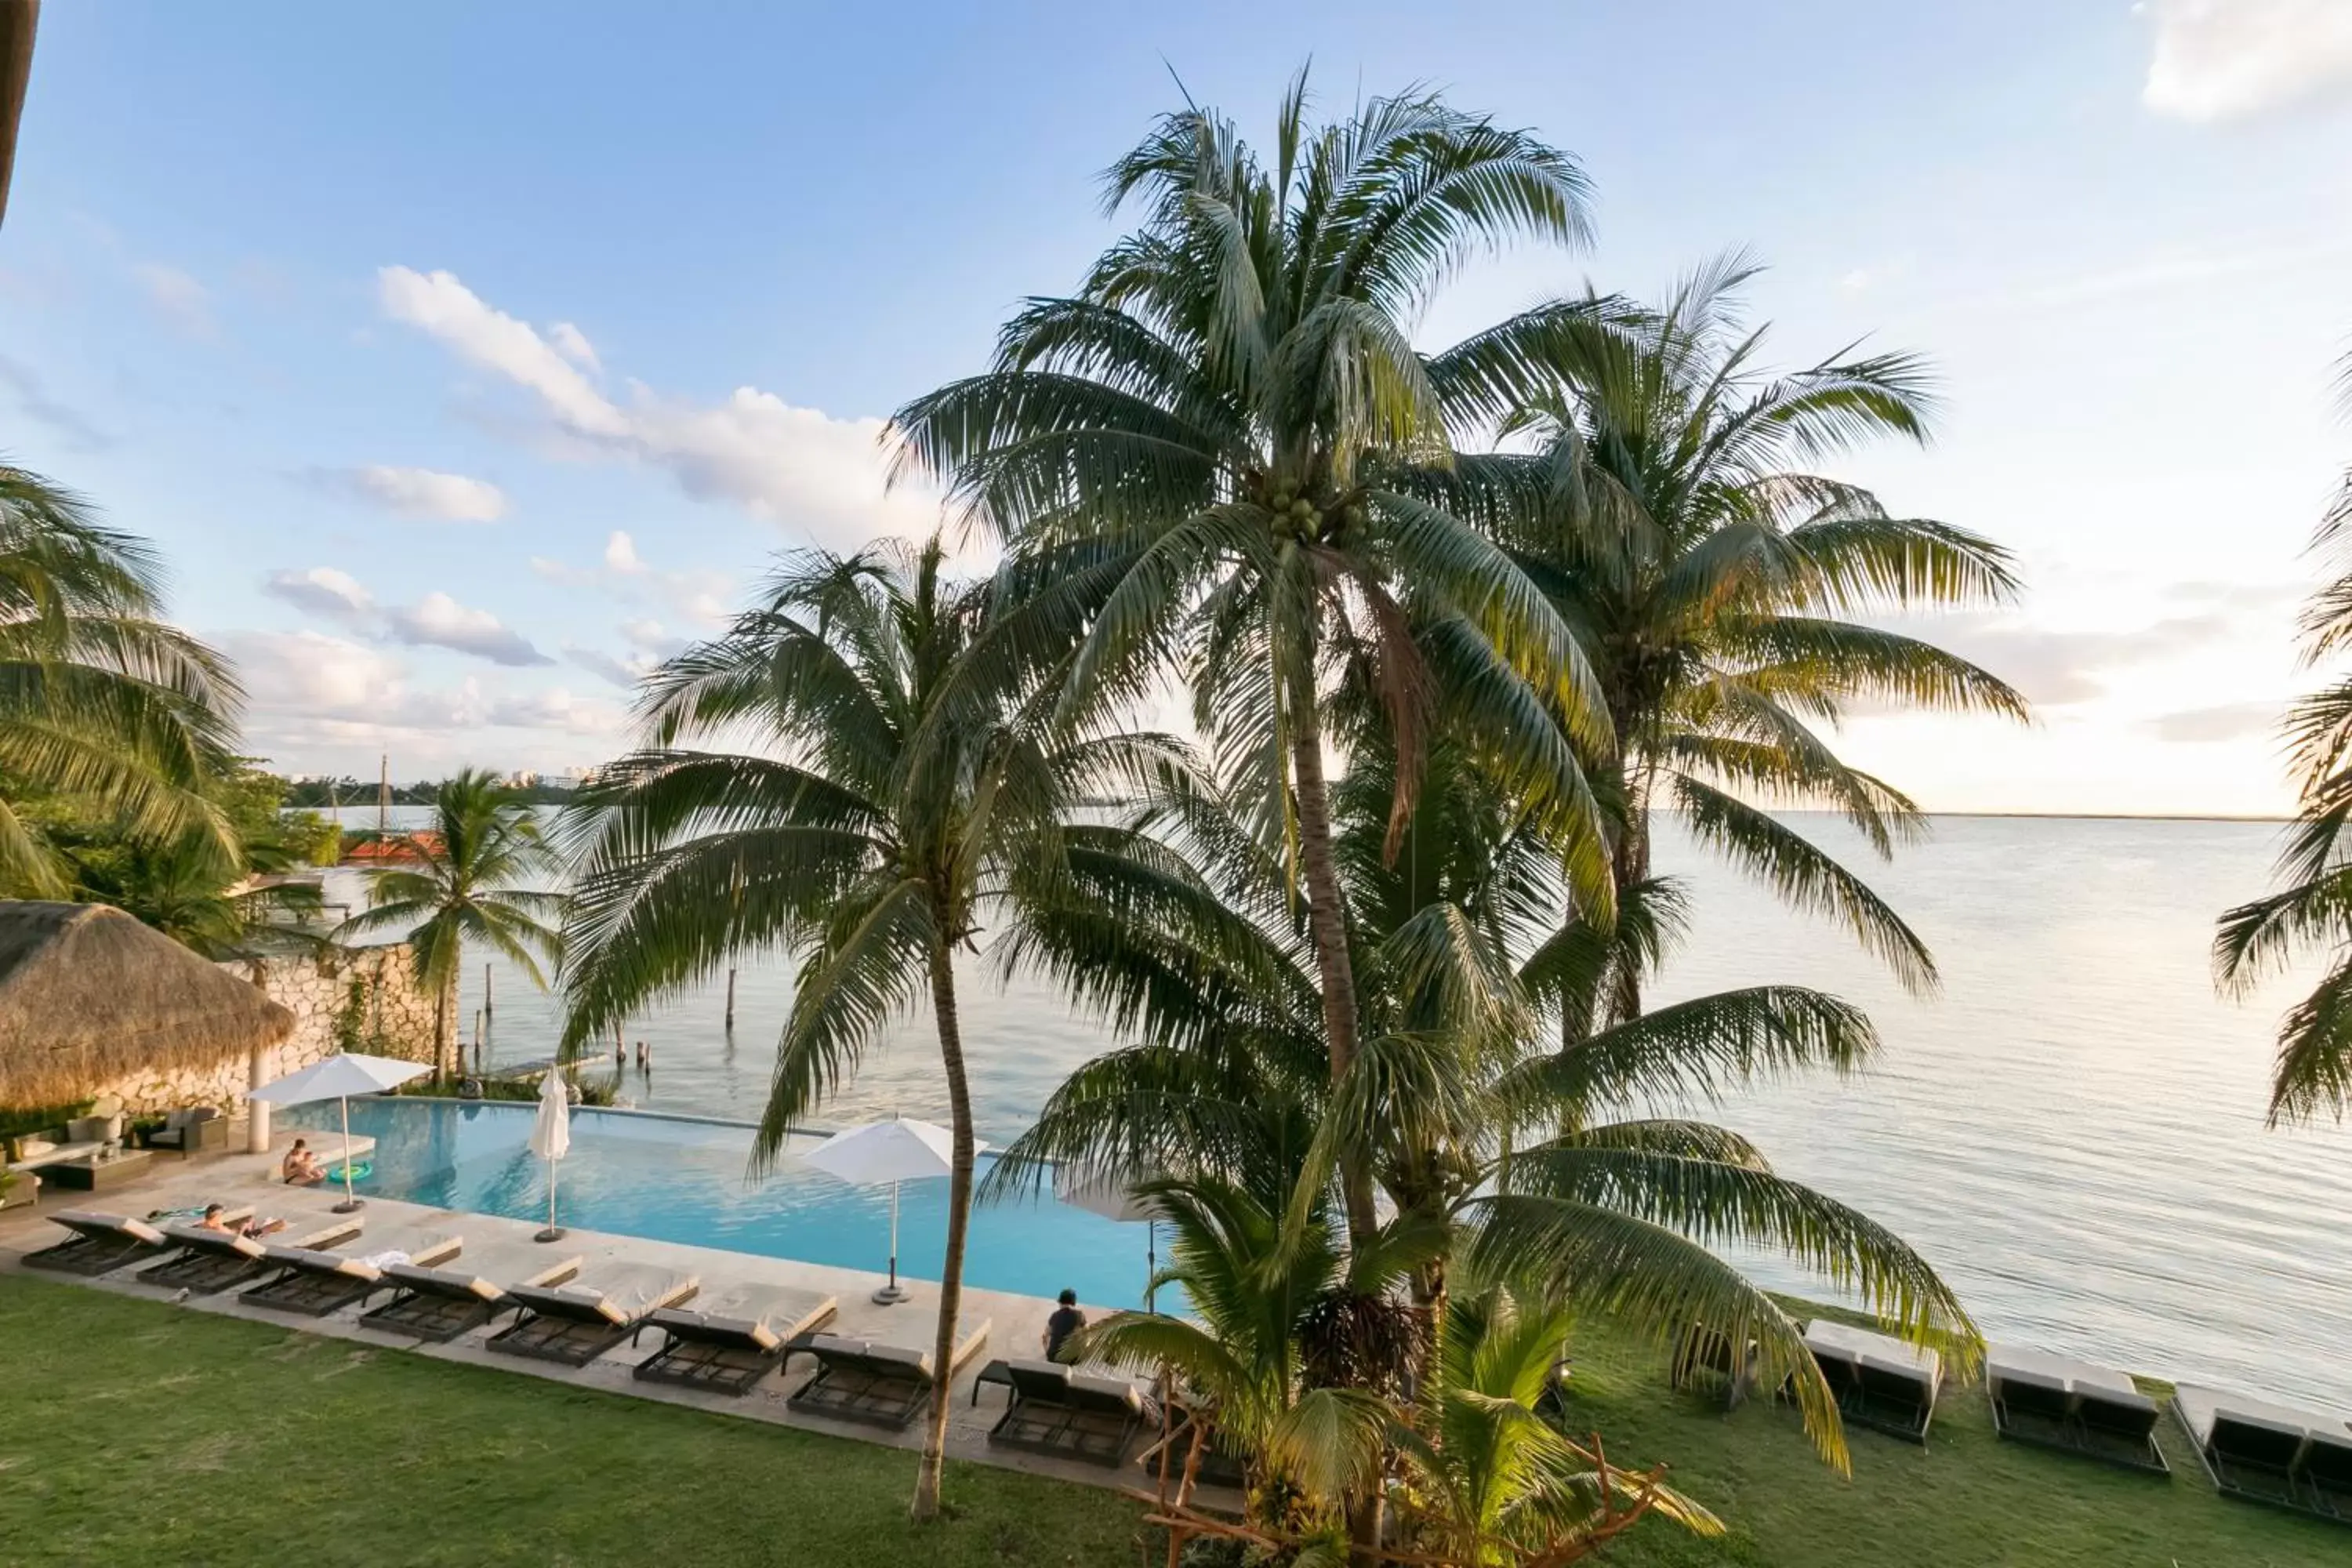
(101, 1243)
(1707, 1352)
(2263, 1452)
(1060, 1410)
(439, 1304)
(732, 1340)
(877, 1385)
(1881, 1383)
(576, 1322)
(2327, 1474)
(2074, 1405)
(314, 1282)
(211, 1260)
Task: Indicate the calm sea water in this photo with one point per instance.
(2071, 1131)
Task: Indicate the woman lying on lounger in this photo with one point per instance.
(301, 1167)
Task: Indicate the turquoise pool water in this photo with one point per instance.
(683, 1181)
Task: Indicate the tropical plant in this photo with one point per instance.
(2311, 911)
(1542, 1165)
(466, 877)
(874, 827)
(100, 701)
(1274, 1358)
(1190, 460)
(1662, 490)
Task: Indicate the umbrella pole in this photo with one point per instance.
(890, 1292)
(350, 1200)
(1150, 1263)
(553, 1231)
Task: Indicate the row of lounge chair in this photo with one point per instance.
(2251, 1449)
(420, 1281)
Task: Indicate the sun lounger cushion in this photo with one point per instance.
(1105, 1392)
(108, 1227)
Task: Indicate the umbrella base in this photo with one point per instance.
(552, 1233)
(351, 1206)
(888, 1296)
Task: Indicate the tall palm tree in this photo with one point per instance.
(100, 700)
(1543, 1164)
(871, 826)
(467, 880)
(1188, 459)
(1668, 504)
(2312, 910)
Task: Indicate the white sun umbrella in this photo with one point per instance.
(550, 1139)
(1114, 1197)
(341, 1076)
(895, 1151)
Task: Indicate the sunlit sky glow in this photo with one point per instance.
(466, 359)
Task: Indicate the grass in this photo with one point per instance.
(135, 1432)
(1968, 1501)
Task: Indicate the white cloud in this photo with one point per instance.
(798, 467)
(2230, 721)
(2058, 668)
(428, 492)
(2231, 59)
(621, 672)
(184, 302)
(573, 344)
(322, 701)
(435, 621)
(439, 621)
(699, 596)
(324, 592)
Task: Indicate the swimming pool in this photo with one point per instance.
(674, 1179)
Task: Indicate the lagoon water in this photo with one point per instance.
(2071, 1130)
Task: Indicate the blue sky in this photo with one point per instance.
(463, 358)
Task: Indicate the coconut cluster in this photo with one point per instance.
(1306, 517)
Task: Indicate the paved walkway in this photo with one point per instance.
(1016, 1323)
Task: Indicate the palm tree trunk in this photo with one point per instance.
(445, 1030)
(1326, 921)
(935, 1436)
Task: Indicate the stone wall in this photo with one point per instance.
(393, 1017)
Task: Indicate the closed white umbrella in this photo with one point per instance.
(895, 1151)
(550, 1139)
(1114, 1197)
(340, 1077)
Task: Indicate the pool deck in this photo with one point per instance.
(1016, 1323)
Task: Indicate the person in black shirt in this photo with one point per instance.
(1067, 1321)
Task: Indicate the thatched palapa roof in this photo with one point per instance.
(88, 994)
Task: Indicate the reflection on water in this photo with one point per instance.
(2071, 1130)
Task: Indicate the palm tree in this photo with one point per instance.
(1669, 508)
(1293, 1347)
(100, 700)
(2312, 910)
(1188, 459)
(893, 792)
(1539, 1165)
(464, 882)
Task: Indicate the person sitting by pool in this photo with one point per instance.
(216, 1218)
(301, 1167)
(1067, 1321)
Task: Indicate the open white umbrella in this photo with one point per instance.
(1114, 1198)
(550, 1139)
(340, 1077)
(895, 1151)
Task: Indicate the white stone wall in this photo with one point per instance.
(395, 1020)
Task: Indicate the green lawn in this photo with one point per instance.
(1968, 1501)
(135, 1432)
(130, 1431)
